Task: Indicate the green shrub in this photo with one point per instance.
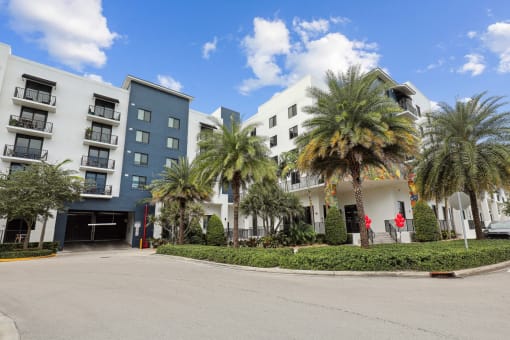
(53, 246)
(195, 234)
(25, 253)
(215, 233)
(300, 234)
(335, 227)
(425, 223)
(320, 238)
(444, 234)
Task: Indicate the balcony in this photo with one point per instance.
(103, 115)
(98, 164)
(93, 191)
(32, 127)
(36, 99)
(410, 111)
(304, 183)
(103, 140)
(23, 154)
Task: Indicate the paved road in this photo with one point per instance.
(134, 295)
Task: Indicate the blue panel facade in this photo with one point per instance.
(161, 106)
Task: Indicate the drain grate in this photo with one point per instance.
(443, 275)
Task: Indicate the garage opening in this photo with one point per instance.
(96, 226)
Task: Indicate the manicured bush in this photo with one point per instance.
(430, 256)
(335, 227)
(215, 233)
(195, 234)
(25, 253)
(425, 223)
(53, 246)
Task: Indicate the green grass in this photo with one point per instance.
(17, 254)
(432, 256)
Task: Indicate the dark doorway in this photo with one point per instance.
(96, 226)
(402, 209)
(307, 217)
(15, 231)
(351, 218)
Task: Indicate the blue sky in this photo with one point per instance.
(239, 53)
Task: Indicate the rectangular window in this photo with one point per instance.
(418, 109)
(295, 177)
(139, 182)
(142, 137)
(141, 159)
(253, 132)
(272, 121)
(273, 141)
(172, 143)
(292, 110)
(144, 115)
(174, 123)
(293, 132)
(170, 162)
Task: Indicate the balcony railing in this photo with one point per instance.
(25, 152)
(32, 124)
(38, 96)
(304, 182)
(101, 137)
(91, 189)
(98, 162)
(104, 112)
(407, 105)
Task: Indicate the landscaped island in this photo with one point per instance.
(432, 256)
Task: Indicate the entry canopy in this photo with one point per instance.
(453, 200)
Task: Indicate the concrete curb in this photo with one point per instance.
(27, 258)
(8, 330)
(410, 274)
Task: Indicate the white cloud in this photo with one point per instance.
(471, 34)
(340, 20)
(278, 58)
(96, 77)
(73, 32)
(434, 106)
(432, 66)
(497, 40)
(209, 47)
(465, 100)
(475, 64)
(169, 82)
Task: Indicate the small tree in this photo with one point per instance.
(335, 227)
(215, 233)
(425, 223)
(195, 234)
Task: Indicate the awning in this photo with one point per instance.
(405, 89)
(105, 98)
(39, 80)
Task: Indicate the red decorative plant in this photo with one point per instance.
(400, 221)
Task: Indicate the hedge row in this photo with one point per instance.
(25, 253)
(53, 246)
(435, 256)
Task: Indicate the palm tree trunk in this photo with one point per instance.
(437, 218)
(43, 231)
(447, 220)
(182, 210)
(476, 214)
(236, 186)
(358, 195)
(29, 230)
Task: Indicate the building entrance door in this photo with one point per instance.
(351, 218)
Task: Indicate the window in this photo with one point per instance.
(292, 110)
(418, 109)
(33, 119)
(272, 121)
(275, 159)
(293, 132)
(172, 143)
(170, 162)
(174, 123)
(98, 157)
(253, 132)
(142, 137)
(295, 177)
(273, 141)
(144, 115)
(16, 167)
(101, 133)
(141, 159)
(95, 183)
(28, 147)
(139, 182)
(422, 132)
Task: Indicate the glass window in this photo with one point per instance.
(172, 143)
(253, 132)
(144, 115)
(273, 141)
(292, 110)
(295, 177)
(141, 158)
(174, 123)
(293, 132)
(170, 162)
(272, 121)
(139, 182)
(142, 137)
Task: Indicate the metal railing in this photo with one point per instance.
(33, 124)
(245, 234)
(25, 152)
(407, 104)
(38, 96)
(98, 162)
(101, 137)
(391, 229)
(104, 112)
(371, 235)
(92, 189)
(304, 182)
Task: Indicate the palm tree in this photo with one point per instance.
(181, 183)
(232, 155)
(471, 148)
(354, 127)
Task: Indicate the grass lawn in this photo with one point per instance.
(430, 256)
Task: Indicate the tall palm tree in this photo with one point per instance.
(232, 155)
(353, 127)
(182, 183)
(471, 148)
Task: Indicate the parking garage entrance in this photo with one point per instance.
(96, 226)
